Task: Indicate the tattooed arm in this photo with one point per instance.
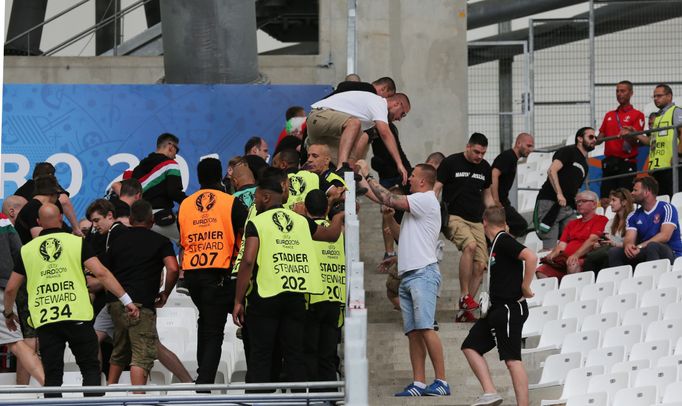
(383, 196)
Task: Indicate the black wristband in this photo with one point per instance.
(7, 316)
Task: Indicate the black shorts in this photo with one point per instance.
(502, 327)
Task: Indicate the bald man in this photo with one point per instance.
(52, 264)
(503, 174)
(12, 206)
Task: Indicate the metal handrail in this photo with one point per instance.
(95, 27)
(54, 17)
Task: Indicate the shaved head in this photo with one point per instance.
(12, 206)
(49, 216)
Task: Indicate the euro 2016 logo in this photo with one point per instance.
(205, 201)
(282, 221)
(51, 249)
(296, 185)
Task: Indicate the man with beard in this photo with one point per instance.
(465, 181)
(555, 205)
(504, 172)
(653, 230)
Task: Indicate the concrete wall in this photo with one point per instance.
(422, 45)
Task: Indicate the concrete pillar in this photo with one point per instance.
(209, 41)
(422, 45)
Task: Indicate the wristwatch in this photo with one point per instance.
(639, 247)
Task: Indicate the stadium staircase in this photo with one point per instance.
(389, 363)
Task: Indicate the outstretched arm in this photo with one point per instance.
(383, 195)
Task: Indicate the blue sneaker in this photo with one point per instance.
(411, 390)
(437, 388)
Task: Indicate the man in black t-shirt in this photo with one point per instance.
(508, 290)
(555, 205)
(503, 174)
(465, 181)
(137, 259)
(131, 191)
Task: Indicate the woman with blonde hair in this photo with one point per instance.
(622, 205)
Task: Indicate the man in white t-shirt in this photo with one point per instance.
(418, 271)
(339, 120)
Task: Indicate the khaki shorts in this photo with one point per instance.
(462, 233)
(325, 127)
(134, 340)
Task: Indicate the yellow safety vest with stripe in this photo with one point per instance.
(300, 183)
(331, 176)
(332, 259)
(286, 259)
(661, 153)
(238, 259)
(55, 281)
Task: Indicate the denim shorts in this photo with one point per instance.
(418, 295)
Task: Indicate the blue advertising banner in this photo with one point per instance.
(92, 133)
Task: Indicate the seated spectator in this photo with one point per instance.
(576, 241)
(653, 230)
(621, 204)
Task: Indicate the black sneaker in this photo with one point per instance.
(181, 287)
(346, 168)
(436, 326)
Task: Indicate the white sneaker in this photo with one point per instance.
(488, 399)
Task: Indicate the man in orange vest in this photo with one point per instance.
(211, 224)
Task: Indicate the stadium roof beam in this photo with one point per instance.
(495, 11)
(608, 19)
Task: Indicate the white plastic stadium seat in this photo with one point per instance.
(641, 316)
(609, 383)
(654, 268)
(579, 309)
(575, 383)
(600, 322)
(537, 317)
(556, 367)
(653, 351)
(673, 392)
(638, 285)
(619, 304)
(617, 274)
(640, 396)
(598, 291)
(659, 297)
(559, 298)
(577, 280)
(540, 287)
(677, 265)
(631, 367)
(605, 356)
(670, 330)
(673, 311)
(670, 361)
(671, 279)
(588, 399)
(663, 198)
(553, 334)
(580, 342)
(660, 377)
(623, 335)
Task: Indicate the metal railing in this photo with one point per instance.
(303, 397)
(117, 15)
(675, 159)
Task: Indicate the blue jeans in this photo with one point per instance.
(418, 295)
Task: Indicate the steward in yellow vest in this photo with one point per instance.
(322, 329)
(661, 144)
(279, 266)
(59, 303)
(211, 224)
